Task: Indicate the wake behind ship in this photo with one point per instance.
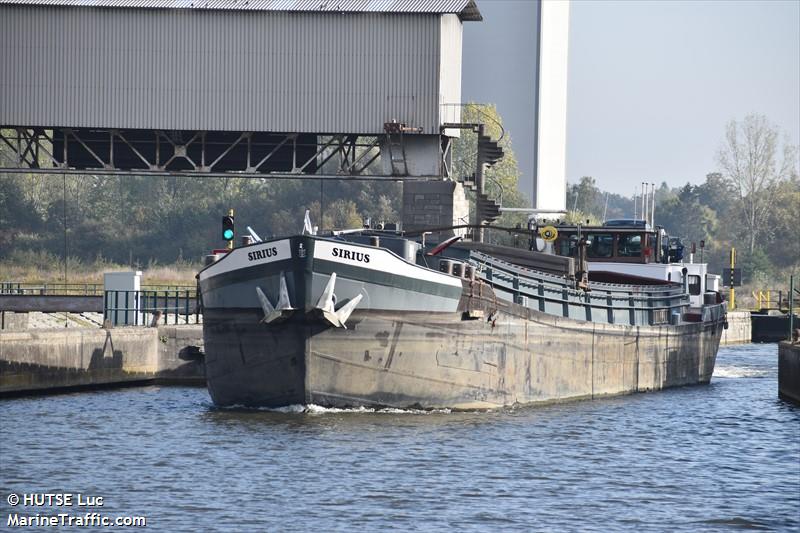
(372, 318)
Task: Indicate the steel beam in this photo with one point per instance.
(232, 174)
(100, 152)
(28, 303)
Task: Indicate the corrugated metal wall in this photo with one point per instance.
(235, 71)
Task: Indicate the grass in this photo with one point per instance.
(43, 267)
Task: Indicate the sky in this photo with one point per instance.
(651, 84)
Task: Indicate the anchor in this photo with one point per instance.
(326, 303)
(277, 313)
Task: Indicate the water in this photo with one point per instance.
(723, 456)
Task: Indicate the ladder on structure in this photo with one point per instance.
(397, 148)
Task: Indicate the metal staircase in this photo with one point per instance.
(487, 210)
(489, 152)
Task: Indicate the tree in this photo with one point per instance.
(781, 240)
(749, 160)
(683, 215)
(17, 213)
(502, 179)
(585, 199)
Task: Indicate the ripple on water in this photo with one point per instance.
(726, 371)
(698, 458)
(313, 409)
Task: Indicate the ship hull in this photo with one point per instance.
(440, 360)
(415, 342)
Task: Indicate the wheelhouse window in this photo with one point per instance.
(567, 246)
(694, 285)
(600, 245)
(625, 246)
(629, 245)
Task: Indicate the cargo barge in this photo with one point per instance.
(374, 318)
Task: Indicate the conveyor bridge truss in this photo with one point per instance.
(206, 153)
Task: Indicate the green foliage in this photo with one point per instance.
(582, 217)
(17, 213)
(584, 197)
(710, 212)
(752, 205)
(752, 167)
(138, 221)
(685, 213)
(586, 201)
(502, 179)
(757, 267)
(135, 220)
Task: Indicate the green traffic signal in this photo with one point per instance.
(227, 228)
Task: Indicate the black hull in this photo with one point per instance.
(253, 365)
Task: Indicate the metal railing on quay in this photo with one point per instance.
(51, 289)
(151, 307)
(76, 289)
(766, 299)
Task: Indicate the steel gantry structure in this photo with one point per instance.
(286, 89)
(211, 154)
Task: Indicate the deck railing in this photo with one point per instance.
(634, 305)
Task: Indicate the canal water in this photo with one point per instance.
(706, 458)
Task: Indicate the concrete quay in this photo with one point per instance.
(52, 360)
(789, 371)
(739, 329)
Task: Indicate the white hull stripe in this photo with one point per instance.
(249, 256)
(379, 260)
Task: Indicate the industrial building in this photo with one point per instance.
(345, 89)
(110, 78)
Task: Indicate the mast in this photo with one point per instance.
(644, 202)
(653, 207)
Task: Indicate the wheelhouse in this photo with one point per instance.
(610, 244)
